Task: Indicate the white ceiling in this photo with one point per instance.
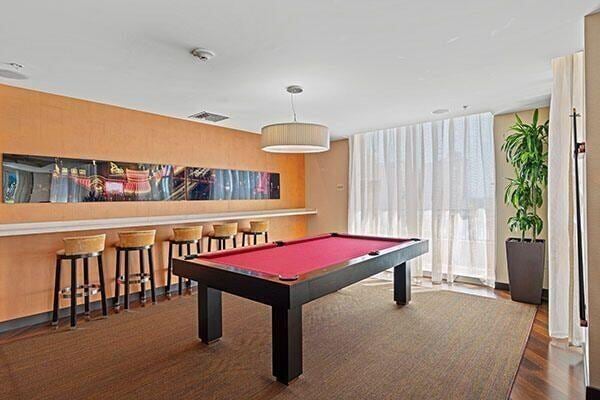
(364, 64)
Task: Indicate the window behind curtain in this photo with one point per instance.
(434, 180)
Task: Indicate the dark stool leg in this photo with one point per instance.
(255, 239)
(234, 242)
(117, 304)
(199, 246)
(56, 291)
(102, 287)
(243, 239)
(188, 283)
(180, 288)
(86, 290)
(152, 283)
(266, 237)
(209, 242)
(142, 283)
(73, 293)
(126, 306)
(169, 269)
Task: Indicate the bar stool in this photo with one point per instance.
(187, 236)
(221, 233)
(255, 229)
(130, 242)
(77, 248)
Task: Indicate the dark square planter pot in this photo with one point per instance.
(525, 269)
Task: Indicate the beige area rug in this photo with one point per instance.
(357, 345)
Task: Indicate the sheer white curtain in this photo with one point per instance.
(567, 92)
(434, 180)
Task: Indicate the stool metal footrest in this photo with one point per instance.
(92, 289)
(135, 278)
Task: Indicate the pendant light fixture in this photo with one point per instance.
(295, 137)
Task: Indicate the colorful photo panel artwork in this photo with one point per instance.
(37, 179)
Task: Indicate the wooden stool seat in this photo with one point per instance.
(187, 235)
(136, 239)
(76, 248)
(221, 233)
(255, 229)
(131, 241)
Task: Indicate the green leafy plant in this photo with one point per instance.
(526, 151)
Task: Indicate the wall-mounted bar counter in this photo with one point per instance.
(34, 228)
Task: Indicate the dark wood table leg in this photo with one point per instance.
(402, 283)
(287, 343)
(210, 325)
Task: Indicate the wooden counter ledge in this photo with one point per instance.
(34, 228)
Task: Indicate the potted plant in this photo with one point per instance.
(525, 149)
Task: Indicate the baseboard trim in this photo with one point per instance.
(506, 287)
(591, 393)
(46, 317)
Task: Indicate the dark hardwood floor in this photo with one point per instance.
(550, 369)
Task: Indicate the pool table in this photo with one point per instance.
(286, 275)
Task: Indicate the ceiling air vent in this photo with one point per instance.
(206, 116)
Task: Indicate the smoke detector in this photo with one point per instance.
(12, 70)
(202, 54)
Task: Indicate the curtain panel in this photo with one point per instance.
(563, 302)
(434, 180)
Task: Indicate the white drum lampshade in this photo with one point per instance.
(295, 137)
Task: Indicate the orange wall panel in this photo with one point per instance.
(43, 124)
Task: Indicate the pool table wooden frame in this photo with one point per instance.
(287, 297)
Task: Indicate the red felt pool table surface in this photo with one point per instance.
(301, 256)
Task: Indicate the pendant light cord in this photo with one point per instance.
(293, 108)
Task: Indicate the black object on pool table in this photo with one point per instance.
(287, 277)
(320, 265)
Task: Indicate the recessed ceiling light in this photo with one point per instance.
(440, 111)
(11, 71)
